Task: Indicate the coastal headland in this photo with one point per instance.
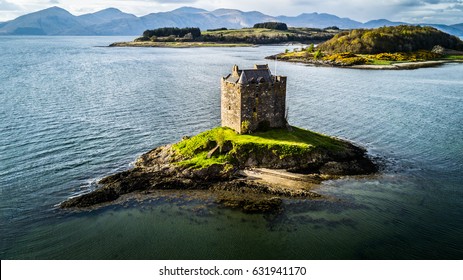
(386, 48)
(251, 172)
(260, 34)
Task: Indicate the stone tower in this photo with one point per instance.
(253, 99)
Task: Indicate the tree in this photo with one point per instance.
(311, 48)
(402, 38)
(173, 31)
(272, 25)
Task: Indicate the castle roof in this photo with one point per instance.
(260, 74)
(255, 76)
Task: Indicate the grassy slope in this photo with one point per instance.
(279, 141)
(265, 35)
(235, 38)
(240, 33)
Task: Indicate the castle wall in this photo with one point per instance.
(231, 105)
(253, 97)
(263, 105)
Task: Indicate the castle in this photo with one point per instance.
(253, 99)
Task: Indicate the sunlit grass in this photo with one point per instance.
(281, 142)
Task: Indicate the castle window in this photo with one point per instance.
(229, 107)
(257, 95)
(254, 109)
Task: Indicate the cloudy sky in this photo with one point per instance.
(413, 11)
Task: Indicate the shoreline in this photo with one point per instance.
(393, 66)
(179, 45)
(405, 65)
(255, 178)
(253, 192)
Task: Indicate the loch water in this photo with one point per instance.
(73, 111)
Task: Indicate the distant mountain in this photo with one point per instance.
(184, 17)
(380, 23)
(447, 29)
(458, 26)
(319, 21)
(104, 16)
(240, 19)
(51, 21)
(111, 21)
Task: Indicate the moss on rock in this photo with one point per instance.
(212, 161)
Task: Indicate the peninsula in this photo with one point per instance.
(397, 47)
(252, 162)
(260, 34)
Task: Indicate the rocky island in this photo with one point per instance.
(252, 162)
(394, 47)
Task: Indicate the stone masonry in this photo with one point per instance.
(253, 99)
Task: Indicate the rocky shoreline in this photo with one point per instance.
(255, 183)
(178, 45)
(392, 66)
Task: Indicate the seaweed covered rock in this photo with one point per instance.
(212, 160)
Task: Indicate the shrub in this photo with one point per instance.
(310, 48)
(345, 59)
(245, 127)
(142, 39)
(272, 25)
(220, 139)
(400, 56)
(218, 29)
(318, 54)
(172, 31)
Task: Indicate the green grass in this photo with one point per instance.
(200, 160)
(270, 33)
(453, 57)
(281, 142)
(248, 32)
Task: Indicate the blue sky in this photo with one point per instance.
(413, 11)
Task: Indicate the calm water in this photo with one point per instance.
(73, 112)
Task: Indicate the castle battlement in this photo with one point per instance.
(253, 99)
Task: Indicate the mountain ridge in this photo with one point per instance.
(112, 21)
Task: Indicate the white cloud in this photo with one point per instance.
(7, 6)
(173, 1)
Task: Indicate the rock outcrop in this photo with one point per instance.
(161, 169)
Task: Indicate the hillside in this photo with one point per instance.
(402, 38)
(269, 36)
(398, 47)
(222, 37)
(51, 21)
